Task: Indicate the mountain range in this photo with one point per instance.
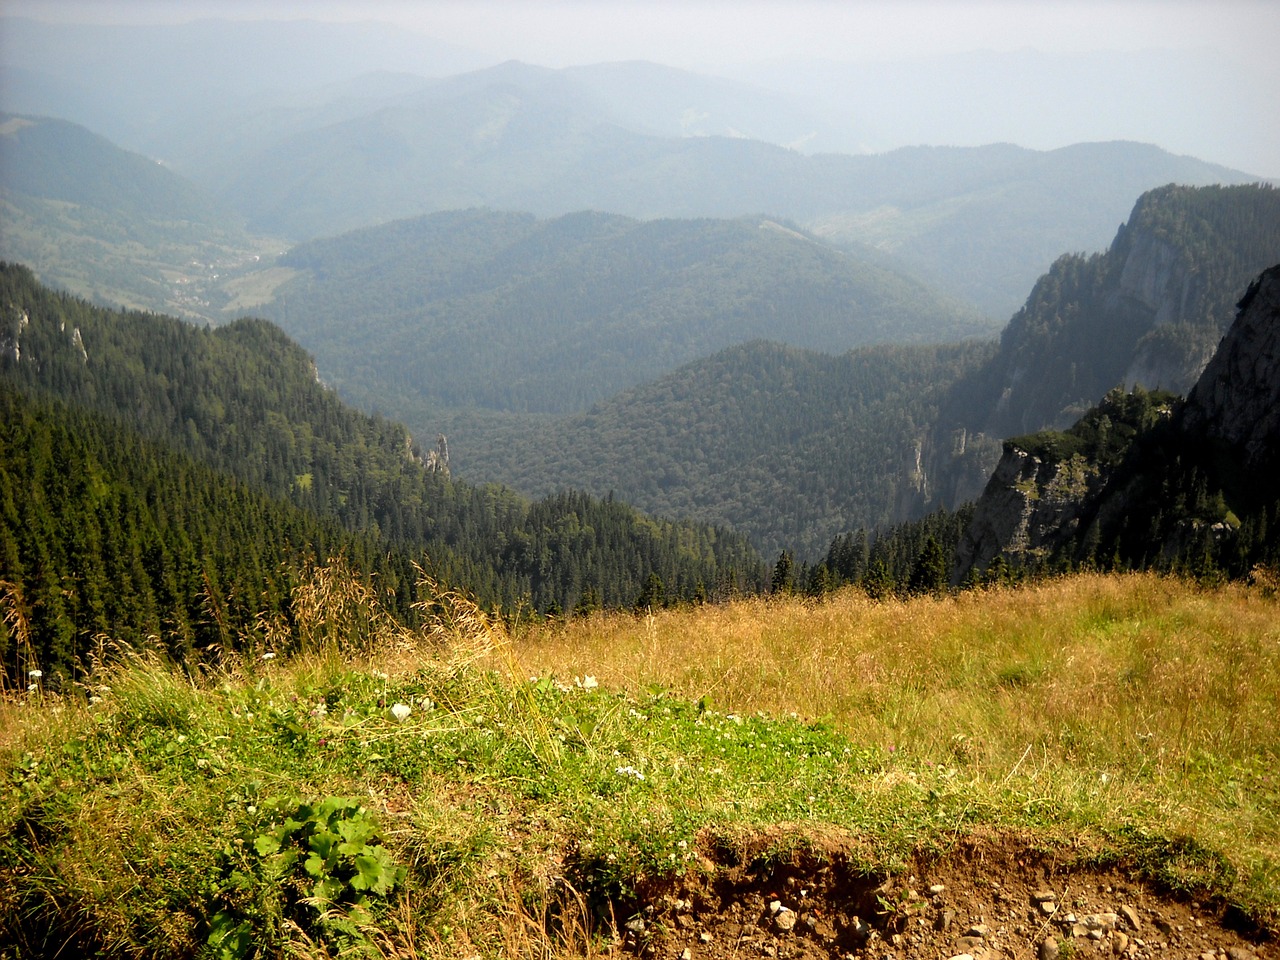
(302, 144)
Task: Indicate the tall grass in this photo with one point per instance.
(1106, 671)
(540, 770)
(1116, 702)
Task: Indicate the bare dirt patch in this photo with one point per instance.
(986, 898)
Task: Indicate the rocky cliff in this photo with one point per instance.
(1142, 482)
(1149, 312)
(1235, 405)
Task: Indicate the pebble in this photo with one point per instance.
(1048, 949)
(1131, 915)
(687, 955)
(1044, 896)
(1106, 922)
(785, 920)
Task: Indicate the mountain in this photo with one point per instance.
(780, 443)
(1149, 311)
(787, 446)
(325, 149)
(237, 413)
(1145, 480)
(153, 87)
(112, 225)
(985, 221)
(508, 312)
(667, 102)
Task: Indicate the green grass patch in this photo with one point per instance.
(330, 806)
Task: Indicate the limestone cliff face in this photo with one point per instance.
(1159, 277)
(1228, 429)
(1030, 508)
(1236, 403)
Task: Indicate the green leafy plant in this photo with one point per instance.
(317, 865)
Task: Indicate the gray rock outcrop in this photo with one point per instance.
(1236, 402)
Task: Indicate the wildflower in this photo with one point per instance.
(268, 656)
(586, 683)
(629, 771)
(427, 704)
(35, 674)
(401, 711)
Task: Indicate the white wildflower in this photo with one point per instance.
(401, 711)
(35, 674)
(586, 683)
(268, 656)
(629, 771)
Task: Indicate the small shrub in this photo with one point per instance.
(317, 866)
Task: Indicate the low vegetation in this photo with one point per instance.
(474, 789)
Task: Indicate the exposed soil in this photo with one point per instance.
(988, 898)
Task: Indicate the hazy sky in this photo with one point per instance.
(1206, 84)
(708, 33)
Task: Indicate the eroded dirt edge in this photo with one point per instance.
(986, 897)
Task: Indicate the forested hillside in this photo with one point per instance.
(243, 401)
(731, 438)
(788, 446)
(980, 222)
(1149, 311)
(106, 537)
(112, 225)
(508, 312)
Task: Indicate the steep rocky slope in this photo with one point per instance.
(1148, 312)
(1140, 481)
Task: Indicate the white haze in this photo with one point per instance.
(1193, 77)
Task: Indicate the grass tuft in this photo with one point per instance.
(467, 789)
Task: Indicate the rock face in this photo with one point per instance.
(1030, 507)
(1236, 402)
(1229, 427)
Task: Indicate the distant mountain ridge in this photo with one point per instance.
(982, 222)
(110, 224)
(508, 312)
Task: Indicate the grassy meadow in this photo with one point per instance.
(486, 789)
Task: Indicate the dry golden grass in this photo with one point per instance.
(1104, 670)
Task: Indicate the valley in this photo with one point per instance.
(455, 505)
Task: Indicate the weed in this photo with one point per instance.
(316, 866)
